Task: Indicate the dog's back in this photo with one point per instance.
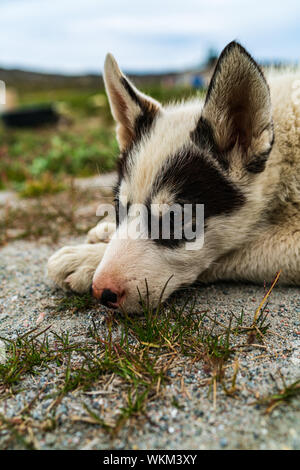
(282, 174)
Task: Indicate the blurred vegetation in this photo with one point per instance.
(36, 161)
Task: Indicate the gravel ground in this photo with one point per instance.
(233, 423)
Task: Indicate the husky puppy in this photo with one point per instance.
(237, 152)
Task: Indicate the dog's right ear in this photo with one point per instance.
(132, 110)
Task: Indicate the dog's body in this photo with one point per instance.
(222, 153)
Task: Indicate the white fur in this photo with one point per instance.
(102, 232)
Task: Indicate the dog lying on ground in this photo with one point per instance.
(237, 153)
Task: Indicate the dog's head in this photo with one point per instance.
(209, 153)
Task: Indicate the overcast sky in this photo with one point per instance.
(73, 36)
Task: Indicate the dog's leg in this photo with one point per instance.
(277, 249)
(73, 267)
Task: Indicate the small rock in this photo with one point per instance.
(50, 439)
(223, 442)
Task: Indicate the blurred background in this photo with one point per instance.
(56, 124)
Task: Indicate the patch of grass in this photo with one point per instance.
(75, 303)
(139, 352)
(46, 184)
(26, 353)
(284, 395)
(146, 349)
(81, 149)
(78, 154)
(82, 144)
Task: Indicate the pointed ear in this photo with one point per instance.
(133, 111)
(237, 109)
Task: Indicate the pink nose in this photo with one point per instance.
(110, 296)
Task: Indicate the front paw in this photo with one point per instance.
(101, 233)
(73, 267)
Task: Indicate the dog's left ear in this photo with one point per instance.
(237, 110)
(132, 110)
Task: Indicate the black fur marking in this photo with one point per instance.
(121, 170)
(196, 181)
(145, 120)
(141, 127)
(117, 202)
(130, 91)
(143, 124)
(258, 162)
(203, 137)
